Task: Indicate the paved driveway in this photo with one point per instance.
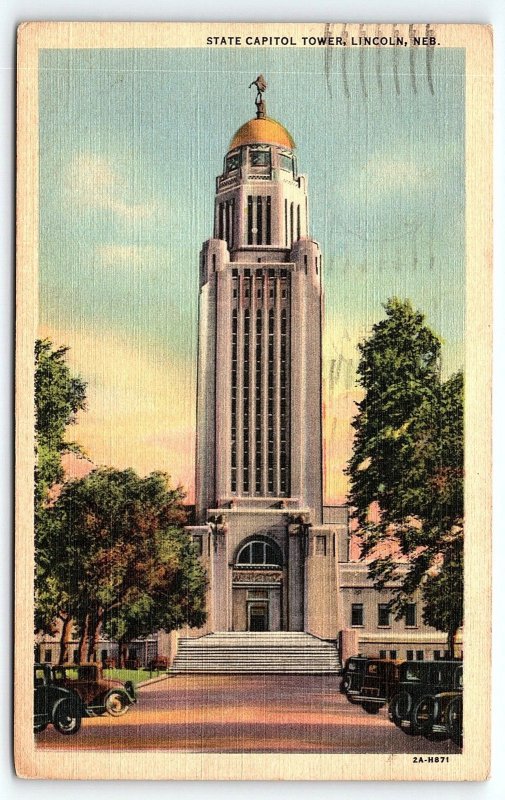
(246, 714)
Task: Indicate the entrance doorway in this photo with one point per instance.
(257, 616)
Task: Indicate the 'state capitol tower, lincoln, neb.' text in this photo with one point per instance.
(271, 563)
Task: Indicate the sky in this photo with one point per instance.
(130, 144)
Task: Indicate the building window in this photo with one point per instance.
(230, 218)
(436, 655)
(233, 162)
(382, 654)
(249, 219)
(259, 553)
(198, 544)
(411, 615)
(291, 222)
(320, 545)
(270, 403)
(258, 393)
(286, 163)
(357, 615)
(259, 220)
(384, 615)
(286, 222)
(268, 231)
(298, 228)
(234, 368)
(260, 158)
(419, 655)
(410, 655)
(245, 403)
(47, 657)
(392, 654)
(283, 410)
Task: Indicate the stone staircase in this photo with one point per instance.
(274, 652)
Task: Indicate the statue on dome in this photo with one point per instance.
(261, 85)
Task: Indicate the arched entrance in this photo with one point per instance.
(257, 586)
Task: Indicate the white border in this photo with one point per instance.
(15, 11)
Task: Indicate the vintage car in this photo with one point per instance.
(439, 714)
(55, 705)
(98, 694)
(159, 664)
(418, 680)
(380, 683)
(352, 677)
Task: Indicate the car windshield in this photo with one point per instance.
(412, 672)
(39, 677)
(87, 673)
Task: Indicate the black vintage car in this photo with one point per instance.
(352, 677)
(417, 681)
(54, 704)
(439, 714)
(380, 683)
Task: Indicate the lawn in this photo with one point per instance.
(133, 675)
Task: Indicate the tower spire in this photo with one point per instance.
(261, 85)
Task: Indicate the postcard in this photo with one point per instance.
(253, 401)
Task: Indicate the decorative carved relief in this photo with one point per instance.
(257, 576)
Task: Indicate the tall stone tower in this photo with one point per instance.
(272, 565)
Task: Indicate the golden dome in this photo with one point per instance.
(264, 131)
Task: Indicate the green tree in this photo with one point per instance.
(172, 597)
(58, 398)
(120, 550)
(406, 471)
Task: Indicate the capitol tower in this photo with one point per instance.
(271, 562)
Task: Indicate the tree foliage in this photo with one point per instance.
(119, 551)
(58, 397)
(406, 470)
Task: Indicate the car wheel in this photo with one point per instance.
(454, 717)
(40, 727)
(399, 708)
(66, 718)
(370, 708)
(116, 704)
(424, 715)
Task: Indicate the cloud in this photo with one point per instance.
(386, 173)
(91, 183)
(134, 255)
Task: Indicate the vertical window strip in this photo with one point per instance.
(286, 223)
(270, 409)
(268, 232)
(232, 219)
(284, 400)
(291, 222)
(258, 420)
(259, 220)
(298, 230)
(249, 219)
(220, 222)
(245, 404)
(234, 367)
